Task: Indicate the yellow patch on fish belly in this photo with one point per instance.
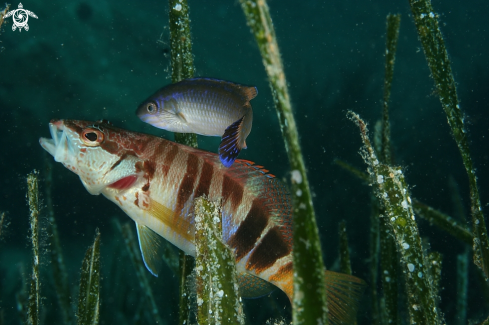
(176, 223)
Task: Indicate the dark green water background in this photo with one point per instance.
(99, 59)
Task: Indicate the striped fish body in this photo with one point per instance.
(154, 181)
(204, 106)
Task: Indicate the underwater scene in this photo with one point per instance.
(341, 175)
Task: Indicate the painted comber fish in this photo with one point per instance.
(204, 106)
(154, 181)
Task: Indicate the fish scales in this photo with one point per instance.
(245, 201)
(155, 181)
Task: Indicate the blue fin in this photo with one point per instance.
(229, 148)
(150, 245)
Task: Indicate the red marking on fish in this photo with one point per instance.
(124, 183)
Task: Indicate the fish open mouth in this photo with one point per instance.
(59, 146)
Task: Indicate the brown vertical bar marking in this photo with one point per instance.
(250, 230)
(271, 248)
(187, 185)
(231, 190)
(169, 157)
(205, 180)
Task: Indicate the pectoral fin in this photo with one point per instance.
(150, 245)
(251, 286)
(230, 146)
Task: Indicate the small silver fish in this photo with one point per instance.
(204, 106)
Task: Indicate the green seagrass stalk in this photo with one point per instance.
(426, 21)
(182, 66)
(388, 258)
(89, 296)
(389, 272)
(141, 273)
(218, 301)
(309, 302)
(392, 35)
(21, 297)
(60, 276)
(393, 193)
(443, 221)
(2, 220)
(3, 12)
(345, 263)
(374, 245)
(434, 262)
(182, 60)
(34, 292)
(462, 288)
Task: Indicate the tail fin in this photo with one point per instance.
(343, 293)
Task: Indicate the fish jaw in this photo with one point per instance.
(93, 164)
(60, 145)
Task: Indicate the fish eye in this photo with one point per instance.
(151, 107)
(92, 137)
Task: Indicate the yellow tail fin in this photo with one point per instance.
(343, 293)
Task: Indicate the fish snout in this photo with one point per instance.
(57, 146)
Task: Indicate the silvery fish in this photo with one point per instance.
(155, 181)
(204, 106)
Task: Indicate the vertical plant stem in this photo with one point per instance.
(345, 263)
(21, 297)
(462, 288)
(388, 270)
(182, 60)
(218, 301)
(141, 273)
(3, 13)
(434, 260)
(392, 35)
(34, 292)
(393, 193)
(89, 296)
(60, 275)
(426, 21)
(182, 64)
(389, 260)
(309, 302)
(2, 220)
(374, 245)
(187, 265)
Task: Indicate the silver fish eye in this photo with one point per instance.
(151, 107)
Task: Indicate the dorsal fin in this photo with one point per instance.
(150, 245)
(248, 92)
